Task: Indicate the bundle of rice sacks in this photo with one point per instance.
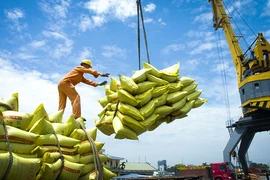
(39, 145)
(134, 105)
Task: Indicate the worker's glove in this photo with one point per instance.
(105, 75)
(103, 83)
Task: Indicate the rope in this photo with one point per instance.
(61, 154)
(140, 13)
(10, 153)
(5, 106)
(138, 31)
(97, 161)
(247, 44)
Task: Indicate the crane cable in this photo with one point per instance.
(140, 14)
(241, 34)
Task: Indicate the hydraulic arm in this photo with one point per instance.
(253, 77)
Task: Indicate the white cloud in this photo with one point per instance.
(14, 16)
(87, 23)
(173, 48)
(112, 9)
(37, 44)
(150, 7)
(148, 20)
(266, 9)
(199, 34)
(86, 53)
(202, 47)
(111, 51)
(204, 17)
(161, 22)
(56, 12)
(55, 9)
(61, 49)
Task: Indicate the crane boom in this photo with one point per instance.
(253, 77)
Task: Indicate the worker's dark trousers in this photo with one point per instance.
(66, 89)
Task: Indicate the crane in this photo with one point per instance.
(252, 72)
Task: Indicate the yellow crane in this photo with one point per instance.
(253, 77)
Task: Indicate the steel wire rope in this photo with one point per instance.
(247, 44)
(225, 87)
(224, 76)
(140, 14)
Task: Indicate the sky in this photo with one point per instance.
(41, 40)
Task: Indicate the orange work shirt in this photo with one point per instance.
(75, 76)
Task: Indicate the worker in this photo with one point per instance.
(267, 175)
(66, 86)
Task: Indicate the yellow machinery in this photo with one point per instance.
(253, 77)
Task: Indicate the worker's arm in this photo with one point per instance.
(92, 83)
(93, 72)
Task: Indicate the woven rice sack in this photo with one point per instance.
(114, 84)
(126, 97)
(140, 75)
(12, 101)
(130, 111)
(190, 88)
(17, 135)
(179, 104)
(172, 70)
(149, 108)
(103, 101)
(89, 158)
(88, 168)
(144, 86)
(171, 73)
(157, 80)
(161, 100)
(113, 98)
(85, 147)
(198, 102)
(51, 140)
(174, 87)
(175, 97)
(163, 110)
(107, 175)
(188, 106)
(144, 97)
(159, 91)
(154, 71)
(41, 150)
(18, 147)
(17, 119)
(80, 134)
(123, 131)
(22, 168)
(149, 121)
(104, 124)
(49, 171)
(194, 95)
(128, 84)
(131, 123)
(42, 126)
(186, 81)
(51, 157)
(56, 117)
(39, 113)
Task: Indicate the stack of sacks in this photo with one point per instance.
(146, 100)
(37, 141)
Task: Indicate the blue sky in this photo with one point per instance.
(42, 40)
